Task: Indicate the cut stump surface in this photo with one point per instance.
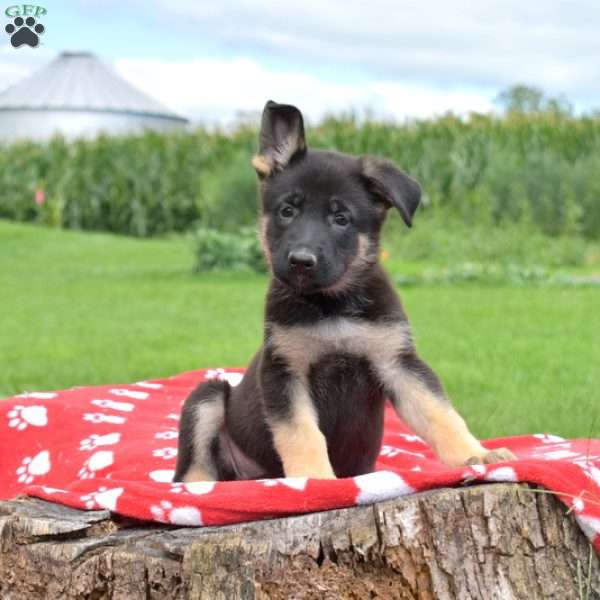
(496, 541)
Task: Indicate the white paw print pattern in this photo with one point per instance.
(94, 440)
(20, 417)
(380, 486)
(38, 395)
(590, 470)
(193, 487)
(184, 515)
(98, 460)
(97, 418)
(149, 384)
(392, 451)
(134, 394)
(589, 525)
(294, 483)
(162, 475)
(501, 474)
(165, 453)
(32, 467)
(52, 490)
(232, 378)
(410, 437)
(112, 405)
(166, 435)
(547, 438)
(160, 511)
(102, 498)
(474, 472)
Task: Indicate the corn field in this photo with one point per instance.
(540, 169)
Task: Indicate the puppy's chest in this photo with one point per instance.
(303, 346)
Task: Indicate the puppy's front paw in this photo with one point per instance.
(491, 457)
(312, 473)
(326, 475)
(195, 474)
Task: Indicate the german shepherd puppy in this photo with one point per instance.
(337, 341)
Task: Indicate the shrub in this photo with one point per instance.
(224, 251)
(230, 195)
(443, 239)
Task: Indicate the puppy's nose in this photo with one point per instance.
(302, 260)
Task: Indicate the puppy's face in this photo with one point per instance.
(322, 211)
(320, 223)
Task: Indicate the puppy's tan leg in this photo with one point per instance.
(202, 417)
(422, 404)
(197, 473)
(298, 440)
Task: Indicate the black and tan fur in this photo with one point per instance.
(337, 342)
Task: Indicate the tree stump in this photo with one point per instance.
(495, 541)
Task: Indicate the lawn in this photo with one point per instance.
(91, 308)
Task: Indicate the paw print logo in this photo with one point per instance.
(102, 498)
(24, 31)
(165, 453)
(20, 417)
(99, 460)
(34, 466)
(95, 440)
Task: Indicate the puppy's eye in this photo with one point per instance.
(287, 211)
(341, 219)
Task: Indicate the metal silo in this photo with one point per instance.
(76, 95)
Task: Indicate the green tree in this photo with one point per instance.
(529, 99)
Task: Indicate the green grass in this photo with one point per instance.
(94, 308)
(89, 308)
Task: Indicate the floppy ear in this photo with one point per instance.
(281, 138)
(393, 186)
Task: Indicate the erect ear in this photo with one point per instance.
(281, 138)
(391, 185)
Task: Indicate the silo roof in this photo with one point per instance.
(78, 81)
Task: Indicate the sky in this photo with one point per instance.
(214, 60)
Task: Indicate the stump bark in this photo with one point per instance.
(496, 541)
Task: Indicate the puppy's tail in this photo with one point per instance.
(207, 391)
(202, 416)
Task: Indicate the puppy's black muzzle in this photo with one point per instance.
(303, 269)
(302, 260)
(305, 259)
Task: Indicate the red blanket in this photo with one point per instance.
(115, 447)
